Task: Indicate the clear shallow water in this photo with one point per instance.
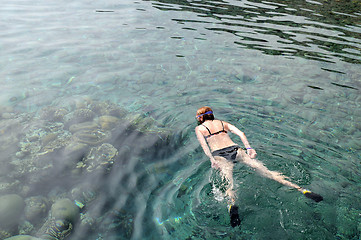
(286, 73)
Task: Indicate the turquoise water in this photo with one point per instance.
(287, 73)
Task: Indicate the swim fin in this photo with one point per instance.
(314, 196)
(233, 213)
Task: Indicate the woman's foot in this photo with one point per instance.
(314, 196)
(233, 213)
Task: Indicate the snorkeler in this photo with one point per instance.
(223, 153)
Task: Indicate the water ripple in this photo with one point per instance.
(311, 29)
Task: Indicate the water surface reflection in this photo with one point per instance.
(327, 31)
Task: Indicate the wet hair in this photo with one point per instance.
(201, 119)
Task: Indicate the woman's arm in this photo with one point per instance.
(251, 152)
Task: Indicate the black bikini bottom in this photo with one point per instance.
(229, 153)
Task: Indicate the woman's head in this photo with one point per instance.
(203, 114)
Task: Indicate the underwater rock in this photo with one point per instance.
(23, 237)
(30, 166)
(26, 228)
(100, 108)
(108, 122)
(38, 148)
(7, 186)
(64, 209)
(75, 149)
(45, 138)
(63, 215)
(82, 102)
(115, 111)
(85, 126)
(92, 137)
(4, 234)
(35, 208)
(73, 154)
(87, 221)
(52, 114)
(83, 194)
(142, 123)
(55, 141)
(99, 158)
(82, 115)
(134, 119)
(107, 108)
(55, 229)
(11, 209)
(10, 131)
(78, 116)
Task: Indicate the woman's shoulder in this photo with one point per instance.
(224, 122)
(215, 121)
(199, 127)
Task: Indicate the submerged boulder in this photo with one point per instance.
(63, 215)
(79, 116)
(51, 113)
(108, 122)
(65, 209)
(36, 207)
(11, 209)
(23, 237)
(99, 158)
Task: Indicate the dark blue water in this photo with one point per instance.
(98, 101)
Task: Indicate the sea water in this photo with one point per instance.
(287, 73)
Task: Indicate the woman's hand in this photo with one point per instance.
(214, 163)
(252, 153)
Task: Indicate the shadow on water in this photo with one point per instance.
(326, 31)
(96, 160)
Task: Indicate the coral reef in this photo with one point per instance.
(99, 158)
(48, 159)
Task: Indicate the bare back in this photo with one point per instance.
(214, 131)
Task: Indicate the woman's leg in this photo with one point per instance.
(226, 172)
(264, 171)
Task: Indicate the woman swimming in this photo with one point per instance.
(223, 153)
